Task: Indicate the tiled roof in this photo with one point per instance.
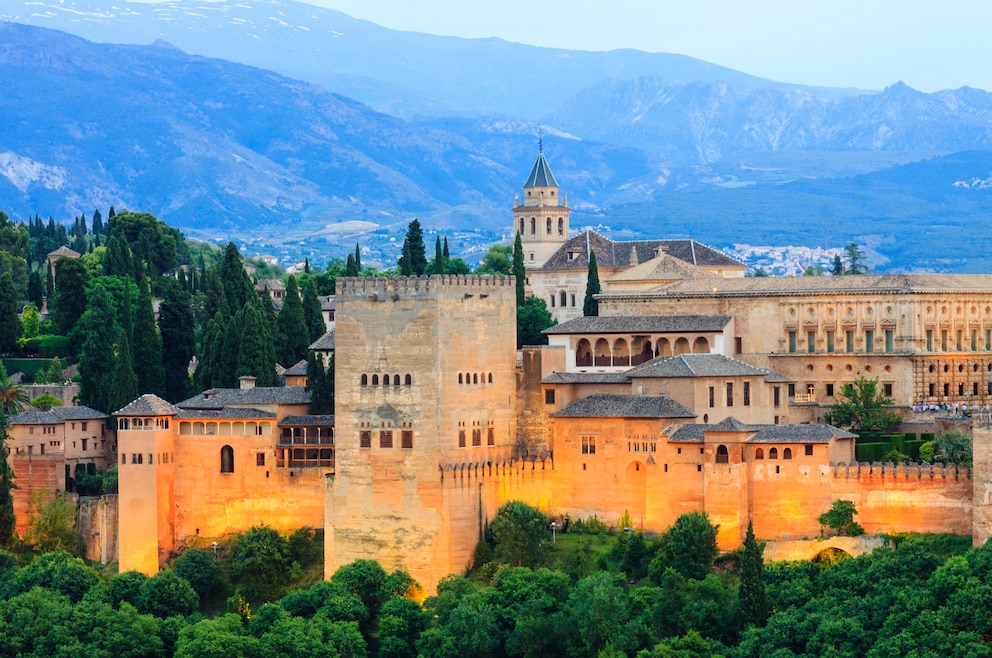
(316, 419)
(78, 413)
(663, 268)
(64, 251)
(763, 433)
(611, 254)
(586, 378)
(299, 369)
(325, 342)
(540, 174)
(271, 284)
(225, 412)
(218, 398)
(701, 365)
(327, 303)
(625, 406)
(148, 404)
(640, 324)
(35, 418)
(763, 286)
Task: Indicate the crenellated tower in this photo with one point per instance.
(542, 218)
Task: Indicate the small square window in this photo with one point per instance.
(809, 450)
(549, 396)
(260, 459)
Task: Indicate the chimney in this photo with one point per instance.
(247, 382)
(661, 250)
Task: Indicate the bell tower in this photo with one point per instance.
(542, 218)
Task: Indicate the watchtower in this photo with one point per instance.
(542, 218)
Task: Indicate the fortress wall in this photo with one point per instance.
(785, 505)
(908, 498)
(532, 418)
(96, 523)
(212, 504)
(45, 473)
(982, 492)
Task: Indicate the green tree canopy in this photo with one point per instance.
(533, 317)
(294, 336)
(840, 518)
(147, 347)
(689, 547)
(70, 300)
(520, 533)
(238, 289)
(413, 262)
(497, 261)
(861, 406)
(7, 486)
(312, 312)
(520, 272)
(100, 332)
(590, 307)
(10, 324)
(751, 593)
(175, 321)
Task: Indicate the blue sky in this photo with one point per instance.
(869, 44)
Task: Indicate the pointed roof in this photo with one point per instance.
(64, 251)
(612, 255)
(663, 269)
(148, 404)
(540, 174)
(625, 406)
(702, 365)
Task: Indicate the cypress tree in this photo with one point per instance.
(350, 269)
(123, 381)
(70, 294)
(147, 345)
(127, 314)
(306, 265)
(358, 260)
(97, 222)
(36, 291)
(320, 383)
(294, 335)
(312, 312)
(210, 368)
(404, 267)
(227, 373)
(10, 326)
(418, 255)
(237, 285)
(438, 256)
(216, 297)
(49, 286)
(590, 306)
(255, 353)
(7, 520)
(175, 321)
(96, 361)
(753, 599)
(444, 252)
(518, 269)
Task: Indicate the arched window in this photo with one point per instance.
(533, 225)
(521, 226)
(408, 381)
(759, 454)
(722, 456)
(787, 453)
(227, 459)
(490, 378)
(396, 380)
(460, 378)
(561, 226)
(773, 453)
(375, 380)
(385, 380)
(564, 298)
(549, 226)
(475, 378)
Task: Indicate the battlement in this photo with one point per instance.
(395, 288)
(892, 471)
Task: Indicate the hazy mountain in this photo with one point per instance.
(402, 73)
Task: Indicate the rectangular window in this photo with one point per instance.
(776, 396)
(712, 397)
(386, 439)
(406, 439)
(888, 390)
(943, 340)
(730, 394)
(552, 300)
(809, 450)
(792, 342)
(849, 339)
(461, 438)
(491, 437)
(929, 340)
(830, 342)
(84, 445)
(738, 344)
(792, 390)
(549, 396)
(476, 437)
(830, 390)
(974, 389)
(259, 459)
(890, 340)
(588, 445)
(959, 340)
(365, 439)
(573, 301)
(947, 389)
(973, 342)
(811, 341)
(869, 341)
(747, 394)
(84, 426)
(988, 340)
(931, 390)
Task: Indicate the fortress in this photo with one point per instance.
(695, 389)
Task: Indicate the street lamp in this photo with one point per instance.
(215, 546)
(554, 528)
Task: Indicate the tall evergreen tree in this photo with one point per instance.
(320, 383)
(175, 321)
(123, 381)
(753, 599)
(227, 374)
(294, 335)
(216, 301)
(209, 372)
(97, 222)
(36, 291)
(49, 286)
(590, 306)
(306, 266)
(312, 312)
(237, 285)
(10, 326)
(444, 251)
(96, 361)
(519, 271)
(7, 520)
(70, 293)
(147, 349)
(838, 267)
(255, 355)
(118, 258)
(414, 260)
(403, 266)
(358, 259)
(438, 256)
(350, 269)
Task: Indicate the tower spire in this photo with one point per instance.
(540, 139)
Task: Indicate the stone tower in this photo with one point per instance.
(425, 386)
(146, 471)
(542, 218)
